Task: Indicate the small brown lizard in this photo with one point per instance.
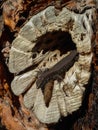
(55, 72)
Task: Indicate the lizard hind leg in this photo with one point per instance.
(58, 77)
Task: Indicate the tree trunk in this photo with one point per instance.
(48, 64)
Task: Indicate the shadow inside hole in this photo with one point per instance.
(51, 41)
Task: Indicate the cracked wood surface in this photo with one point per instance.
(23, 117)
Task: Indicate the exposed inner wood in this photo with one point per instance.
(49, 28)
(45, 42)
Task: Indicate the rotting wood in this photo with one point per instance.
(90, 120)
(41, 43)
(6, 102)
(15, 116)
